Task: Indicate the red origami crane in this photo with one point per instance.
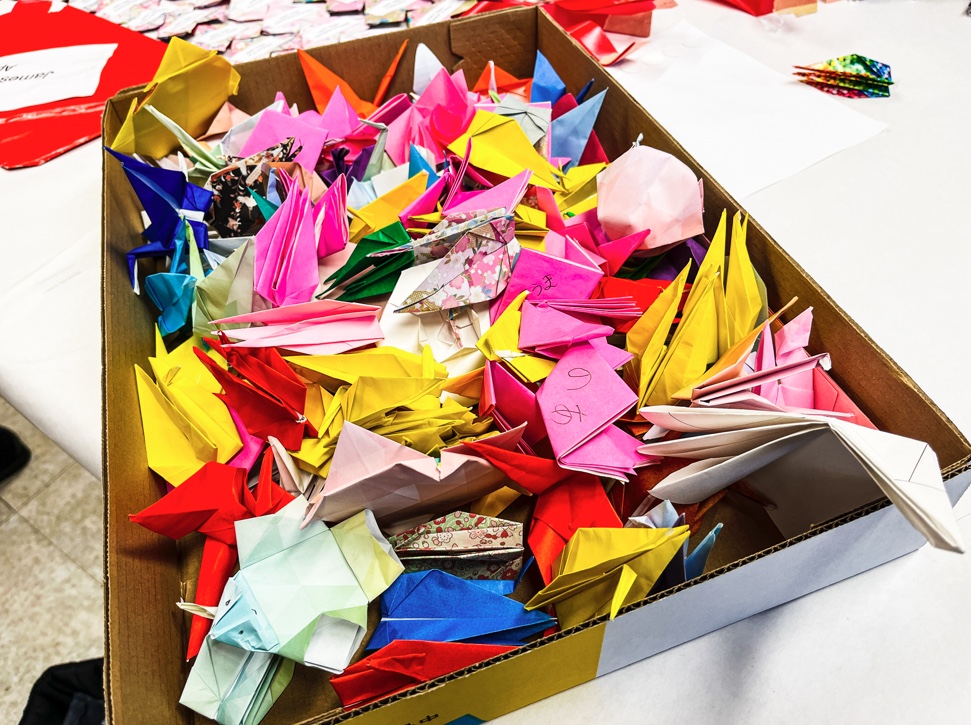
(406, 663)
(211, 501)
(566, 501)
(268, 396)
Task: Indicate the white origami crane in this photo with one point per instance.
(812, 467)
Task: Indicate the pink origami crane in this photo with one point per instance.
(321, 327)
(401, 486)
(580, 400)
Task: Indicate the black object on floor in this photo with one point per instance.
(68, 694)
(14, 455)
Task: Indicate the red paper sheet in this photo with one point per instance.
(30, 136)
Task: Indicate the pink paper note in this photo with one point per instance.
(546, 277)
(581, 397)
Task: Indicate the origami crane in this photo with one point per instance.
(393, 393)
(716, 330)
(600, 571)
(475, 269)
(570, 132)
(438, 607)
(171, 204)
(233, 686)
(850, 76)
(649, 189)
(547, 85)
(579, 402)
(683, 566)
(783, 456)
(405, 663)
(533, 118)
(451, 335)
(285, 265)
(511, 404)
(227, 291)
(272, 402)
(366, 274)
(548, 277)
(501, 147)
(577, 502)
(400, 484)
(302, 591)
(501, 342)
(210, 502)
(591, 153)
(320, 327)
(465, 545)
(183, 423)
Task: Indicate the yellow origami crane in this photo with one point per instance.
(185, 424)
(501, 342)
(189, 87)
(719, 319)
(389, 391)
(580, 183)
(601, 571)
(500, 146)
(385, 209)
(647, 339)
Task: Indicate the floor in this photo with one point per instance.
(50, 565)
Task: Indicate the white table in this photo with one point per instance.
(888, 646)
(891, 645)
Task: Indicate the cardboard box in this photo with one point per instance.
(146, 574)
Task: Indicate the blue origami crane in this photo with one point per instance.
(571, 131)
(684, 566)
(171, 203)
(547, 85)
(437, 607)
